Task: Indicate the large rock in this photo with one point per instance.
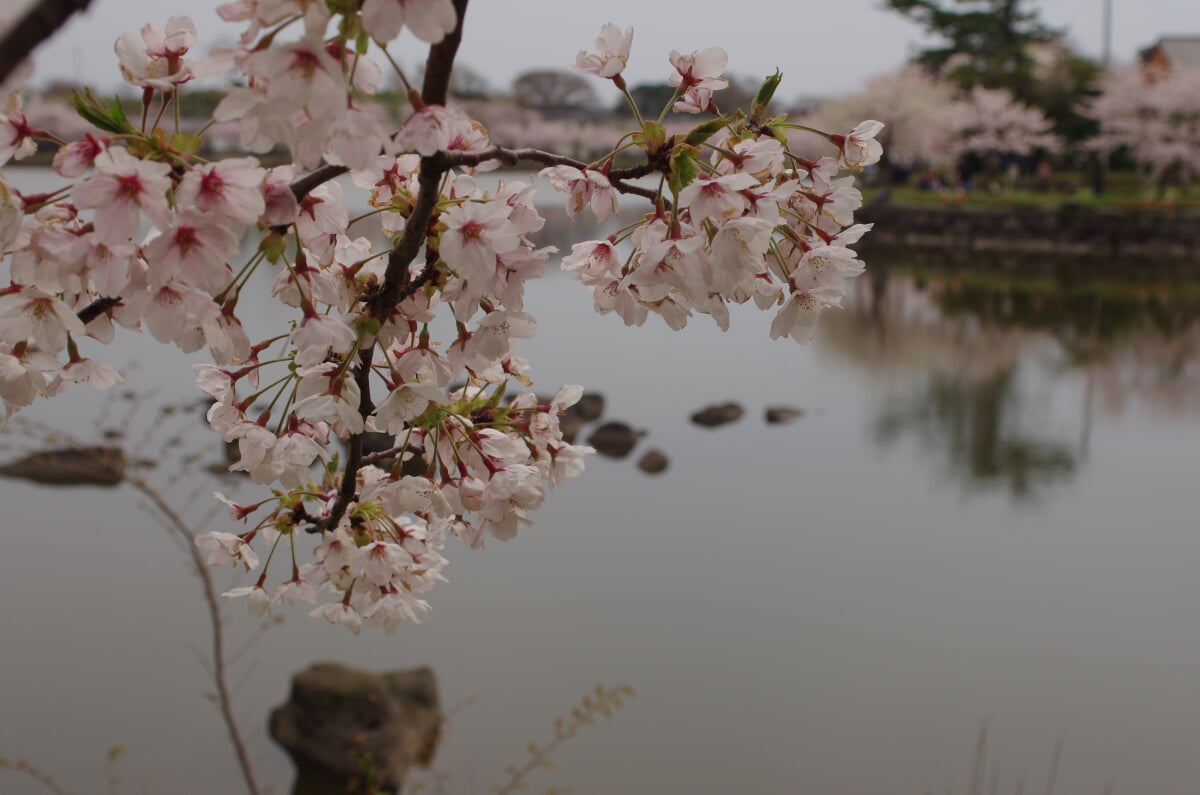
(70, 466)
(355, 731)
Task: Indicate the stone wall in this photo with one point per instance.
(1071, 229)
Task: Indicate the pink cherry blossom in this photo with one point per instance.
(475, 233)
(404, 404)
(429, 20)
(16, 136)
(859, 148)
(698, 75)
(611, 55)
(123, 187)
(34, 316)
(231, 188)
(318, 335)
(194, 250)
(73, 159)
(155, 59)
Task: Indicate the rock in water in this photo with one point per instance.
(355, 731)
(778, 415)
(653, 462)
(70, 466)
(614, 439)
(714, 416)
(590, 406)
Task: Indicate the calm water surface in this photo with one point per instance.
(986, 514)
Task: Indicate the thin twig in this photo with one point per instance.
(224, 702)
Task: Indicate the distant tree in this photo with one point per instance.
(929, 121)
(1156, 117)
(553, 89)
(991, 122)
(997, 44)
(912, 103)
(465, 82)
(651, 97)
(982, 42)
(469, 83)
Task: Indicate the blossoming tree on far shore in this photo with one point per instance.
(1156, 114)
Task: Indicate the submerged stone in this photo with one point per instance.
(614, 439)
(717, 415)
(778, 415)
(589, 407)
(653, 462)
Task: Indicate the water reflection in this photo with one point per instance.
(978, 365)
(975, 426)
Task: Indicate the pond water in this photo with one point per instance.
(984, 517)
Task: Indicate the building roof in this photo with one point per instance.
(1181, 52)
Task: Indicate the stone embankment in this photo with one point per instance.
(1067, 230)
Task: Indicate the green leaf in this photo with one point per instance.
(496, 396)
(683, 167)
(185, 144)
(776, 128)
(366, 326)
(117, 113)
(110, 119)
(651, 138)
(272, 247)
(765, 92)
(706, 130)
(91, 111)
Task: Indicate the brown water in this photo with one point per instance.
(986, 514)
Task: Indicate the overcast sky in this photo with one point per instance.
(823, 48)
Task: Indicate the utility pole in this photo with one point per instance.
(1106, 51)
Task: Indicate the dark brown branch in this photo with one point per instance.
(354, 454)
(440, 62)
(315, 179)
(396, 282)
(96, 308)
(38, 24)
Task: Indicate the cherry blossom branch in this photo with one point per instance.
(315, 179)
(224, 700)
(38, 24)
(96, 308)
(440, 62)
(438, 67)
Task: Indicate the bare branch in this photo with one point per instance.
(224, 700)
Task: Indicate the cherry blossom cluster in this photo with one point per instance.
(405, 320)
(1156, 114)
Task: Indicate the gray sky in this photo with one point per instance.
(822, 47)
